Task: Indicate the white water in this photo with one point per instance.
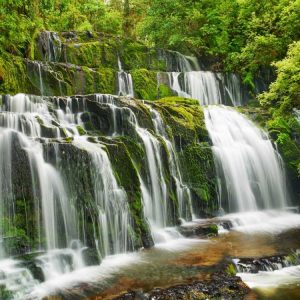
(153, 186)
(268, 221)
(156, 204)
(248, 166)
(125, 83)
(109, 100)
(94, 276)
(111, 200)
(272, 279)
(18, 279)
(178, 62)
(207, 87)
(22, 119)
(182, 191)
(51, 44)
(40, 78)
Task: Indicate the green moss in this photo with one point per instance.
(136, 151)
(91, 54)
(214, 229)
(5, 294)
(107, 80)
(185, 117)
(60, 79)
(231, 270)
(289, 150)
(127, 176)
(80, 130)
(68, 139)
(164, 91)
(136, 55)
(145, 84)
(13, 75)
(198, 167)
(178, 100)
(292, 259)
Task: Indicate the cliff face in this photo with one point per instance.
(81, 63)
(153, 149)
(109, 153)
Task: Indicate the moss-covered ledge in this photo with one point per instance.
(186, 126)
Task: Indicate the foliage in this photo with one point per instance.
(283, 102)
(245, 35)
(21, 19)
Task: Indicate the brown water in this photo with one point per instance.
(182, 261)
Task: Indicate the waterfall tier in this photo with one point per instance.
(83, 178)
(249, 169)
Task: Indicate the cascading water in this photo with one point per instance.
(182, 191)
(178, 62)
(125, 83)
(154, 192)
(27, 121)
(186, 79)
(153, 186)
(51, 44)
(111, 201)
(208, 87)
(248, 167)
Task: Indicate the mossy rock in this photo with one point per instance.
(185, 117)
(63, 79)
(164, 91)
(198, 169)
(127, 176)
(145, 84)
(13, 76)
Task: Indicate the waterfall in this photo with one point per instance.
(154, 189)
(112, 208)
(125, 82)
(39, 65)
(109, 100)
(153, 185)
(182, 191)
(156, 210)
(111, 201)
(177, 62)
(186, 79)
(6, 190)
(208, 87)
(51, 44)
(31, 123)
(249, 168)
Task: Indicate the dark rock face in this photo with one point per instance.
(270, 263)
(21, 173)
(221, 286)
(147, 240)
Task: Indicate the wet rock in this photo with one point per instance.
(29, 262)
(199, 230)
(220, 286)
(69, 35)
(147, 240)
(21, 178)
(91, 257)
(255, 265)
